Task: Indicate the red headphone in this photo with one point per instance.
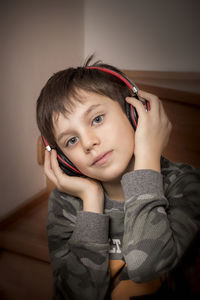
(65, 164)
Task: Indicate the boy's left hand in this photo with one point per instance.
(152, 133)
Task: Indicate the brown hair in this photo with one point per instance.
(61, 92)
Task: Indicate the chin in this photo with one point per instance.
(112, 174)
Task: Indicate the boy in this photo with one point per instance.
(116, 232)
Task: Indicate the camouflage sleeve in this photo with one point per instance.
(78, 246)
(158, 229)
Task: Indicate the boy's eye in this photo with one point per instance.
(98, 119)
(71, 142)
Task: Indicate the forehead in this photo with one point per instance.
(84, 101)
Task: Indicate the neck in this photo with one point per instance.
(114, 188)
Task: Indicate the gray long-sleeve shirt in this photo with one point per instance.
(107, 256)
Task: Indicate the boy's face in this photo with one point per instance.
(96, 136)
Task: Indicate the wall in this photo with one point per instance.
(144, 34)
(37, 39)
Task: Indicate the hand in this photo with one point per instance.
(152, 133)
(87, 189)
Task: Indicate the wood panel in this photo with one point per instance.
(24, 208)
(184, 143)
(24, 278)
(25, 231)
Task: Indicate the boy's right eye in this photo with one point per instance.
(71, 141)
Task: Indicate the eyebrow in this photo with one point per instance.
(88, 111)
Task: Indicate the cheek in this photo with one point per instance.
(77, 157)
(128, 144)
(124, 135)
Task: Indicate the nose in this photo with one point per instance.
(90, 140)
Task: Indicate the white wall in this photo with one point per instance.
(37, 39)
(144, 34)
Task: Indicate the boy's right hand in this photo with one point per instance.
(88, 190)
(152, 133)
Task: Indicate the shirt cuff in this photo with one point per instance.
(142, 182)
(91, 227)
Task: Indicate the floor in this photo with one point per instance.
(25, 271)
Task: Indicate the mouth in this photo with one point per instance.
(101, 159)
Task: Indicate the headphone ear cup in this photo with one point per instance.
(131, 114)
(66, 165)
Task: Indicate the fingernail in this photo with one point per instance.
(130, 99)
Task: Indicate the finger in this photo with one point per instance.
(47, 167)
(64, 181)
(59, 174)
(55, 165)
(163, 114)
(162, 109)
(153, 99)
(146, 95)
(140, 108)
(47, 162)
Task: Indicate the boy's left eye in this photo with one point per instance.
(98, 119)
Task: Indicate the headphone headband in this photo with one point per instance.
(123, 78)
(128, 82)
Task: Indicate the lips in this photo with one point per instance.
(101, 159)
